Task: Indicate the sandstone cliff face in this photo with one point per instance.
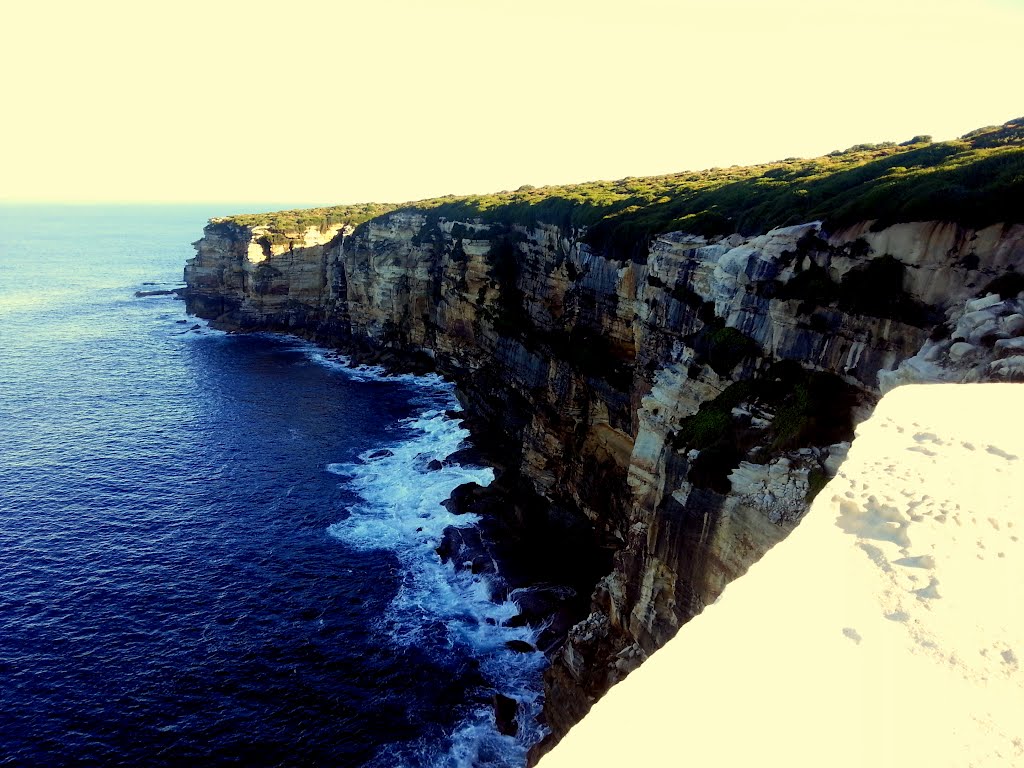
(651, 396)
(241, 280)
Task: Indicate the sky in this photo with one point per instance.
(392, 100)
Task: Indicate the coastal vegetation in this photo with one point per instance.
(874, 288)
(976, 180)
(299, 220)
(806, 408)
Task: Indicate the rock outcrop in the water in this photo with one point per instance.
(687, 399)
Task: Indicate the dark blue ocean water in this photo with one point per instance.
(204, 557)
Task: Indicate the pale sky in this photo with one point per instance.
(390, 100)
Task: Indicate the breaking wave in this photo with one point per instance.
(438, 608)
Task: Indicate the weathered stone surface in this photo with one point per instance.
(959, 350)
(580, 367)
(986, 337)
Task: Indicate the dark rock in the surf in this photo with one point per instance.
(505, 709)
(143, 294)
(181, 322)
(482, 564)
(464, 498)
(434, 465)
(555, 609)
(381, 454)
(450, 691)
(460, 545)
(446, 548)
(452, 413)
(519, 646)
(469, 456)
(536, 604)
(556, 629)
(470, 674)
(538, 564)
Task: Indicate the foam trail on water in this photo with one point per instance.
(363, 372)
(401, 487)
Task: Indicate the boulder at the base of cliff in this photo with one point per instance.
(464, 497)
(519, 646)
(505, 710)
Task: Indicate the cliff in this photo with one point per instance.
(685, 394)
(880, 633)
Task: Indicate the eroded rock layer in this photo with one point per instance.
(687, 402)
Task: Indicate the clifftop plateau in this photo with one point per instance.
(677, 362)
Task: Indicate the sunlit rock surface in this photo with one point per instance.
(887, 630)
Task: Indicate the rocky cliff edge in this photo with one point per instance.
(880, 633)
(687, 401)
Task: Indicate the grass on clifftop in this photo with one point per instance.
(975, 180)
(298, 221)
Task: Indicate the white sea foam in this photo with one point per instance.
(362, 372)
(400, 510)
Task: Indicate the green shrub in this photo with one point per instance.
(813, 286)
(294, 222)
(817, 479)
(705, 428)
(873, 288)
(727, 347)
(811, 409)
(712, 467)
(876, 288)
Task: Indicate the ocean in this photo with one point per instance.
(219, 549)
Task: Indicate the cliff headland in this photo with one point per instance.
(675, 364)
